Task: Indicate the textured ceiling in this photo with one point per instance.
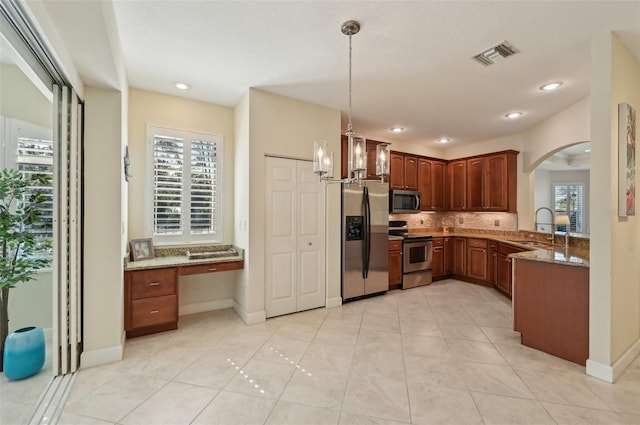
(411, 60)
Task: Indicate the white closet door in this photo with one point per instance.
(280, 237)
(294, 238)
(311, 227)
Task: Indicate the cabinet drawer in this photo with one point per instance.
(211, 267)
(477, 243)
(154, 311)
(152, 283)
(395, 245)
(438, 242)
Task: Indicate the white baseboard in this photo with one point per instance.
(333, 302)
(611, 373)
(249, 319)
(205, 306)
(102, 356)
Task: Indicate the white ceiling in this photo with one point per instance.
(411, 60)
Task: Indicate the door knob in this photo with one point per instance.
(310, 244)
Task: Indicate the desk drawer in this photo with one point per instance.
(154, 311)
(211, 267)
(153, 283)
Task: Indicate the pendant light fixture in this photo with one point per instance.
(357, 146)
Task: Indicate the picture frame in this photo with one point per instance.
(141, 249)
(626, 160)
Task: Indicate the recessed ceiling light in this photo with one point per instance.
(551, 86)
(587, 150)
(182, 86)
(397, 129)
(513, 115)
(444, 140)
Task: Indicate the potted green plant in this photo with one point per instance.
(21, 199)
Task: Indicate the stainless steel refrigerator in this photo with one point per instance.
(365, 238)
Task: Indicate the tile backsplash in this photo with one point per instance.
(460, 220)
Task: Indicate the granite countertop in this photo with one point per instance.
(536, 250)
(176, 257)
(395, 238)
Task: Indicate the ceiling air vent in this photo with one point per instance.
(496, 54)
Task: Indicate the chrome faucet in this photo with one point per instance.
(553, 224)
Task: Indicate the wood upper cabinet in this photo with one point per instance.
(492, 182)
(431, 184)
(477, 259)
(457, 173)
(459, 256)
(404, 171)
(371, 158)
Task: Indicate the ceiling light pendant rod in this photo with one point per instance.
(350, 28)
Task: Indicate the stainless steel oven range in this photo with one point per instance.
(417, 254)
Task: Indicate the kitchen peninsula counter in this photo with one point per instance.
(536, 249)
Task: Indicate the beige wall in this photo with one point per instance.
(150, 108)
(31, 303)
(103, 267)
(615, 272)
(242, 200)
(285, 127)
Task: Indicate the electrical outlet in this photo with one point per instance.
(460, 220)
(496, 223)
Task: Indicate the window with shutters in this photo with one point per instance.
(35, 156)
(569, 200)
(186, 186)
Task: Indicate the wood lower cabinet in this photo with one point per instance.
(151, 295)
(448, 256)
(151, 301)
(503, 268)
(477, 260)
(437, 267)
(395, 264)
(492, 263)
(442, 258)
(460, 257)
(551, 308)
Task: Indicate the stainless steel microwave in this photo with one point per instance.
(404, 201)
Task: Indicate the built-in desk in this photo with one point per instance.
(151, 287)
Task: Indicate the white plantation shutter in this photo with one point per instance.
(203, 197)
(35, 156)
(186, 186)
(168, 182)
(568, 199)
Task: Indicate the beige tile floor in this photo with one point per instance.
(440, 354)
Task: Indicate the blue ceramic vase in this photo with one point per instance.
(24, 352)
